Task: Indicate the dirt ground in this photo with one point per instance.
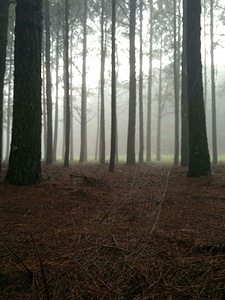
(142, 232)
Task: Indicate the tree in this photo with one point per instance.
(184, 103)
(113, 92)
(213, 86)
(48, 83)
(66, 89)
(25, 154)
(4, 4)
(149, 103)
(141, 121)
(102, 79)
(199, 160)
(176, 66)
(132, 88)
(83, 147)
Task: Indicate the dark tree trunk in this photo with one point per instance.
(4, 4)
(199, 160)
(141, 120)
(213, 87)
(83, 147)
(102, 113)
(149, 103)
(176, 66)
(132, 88)
(55, 138)
(184, 103)
(25, 154)
(67, 97)
(48, 83)
(113, 92)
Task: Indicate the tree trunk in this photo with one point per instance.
(159, 116)
(132, 88)
(213, 87)
(83, 148)
(25, 155)
(184, 102)
(102, 113)
(55, 137)
(66, 89)
(48, 83)
(141, 121)
(149, 103)
(113, 92)
(4, 4)
(176, 87)
(199, 160)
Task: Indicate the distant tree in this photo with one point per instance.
(25, 154)
(4, 4)
(66, 88)
(184, 103)
(83, 147)
(199, 160)
(48, 82)
(113, 92)
(132, 87)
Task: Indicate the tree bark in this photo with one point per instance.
(184, 102)
(83, 148)
(213, 87)
(141, 118)
(25, 155)
(48, 83)
(67, 97)
(132, 88)
(199, 160)
(113, 92)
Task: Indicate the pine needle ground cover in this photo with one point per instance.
(142, 232)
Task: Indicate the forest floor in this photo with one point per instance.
(143, 232)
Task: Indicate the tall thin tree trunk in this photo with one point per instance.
(67, 86)
(48, 84)
(159, 115)
(184, 102)
(213, 87)
(132, 88)
(102, 112)
(176, 87)
(113, 92)
(83, 148)
(141, 121)
(55, 138)
(71, 100)
(149, 103)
